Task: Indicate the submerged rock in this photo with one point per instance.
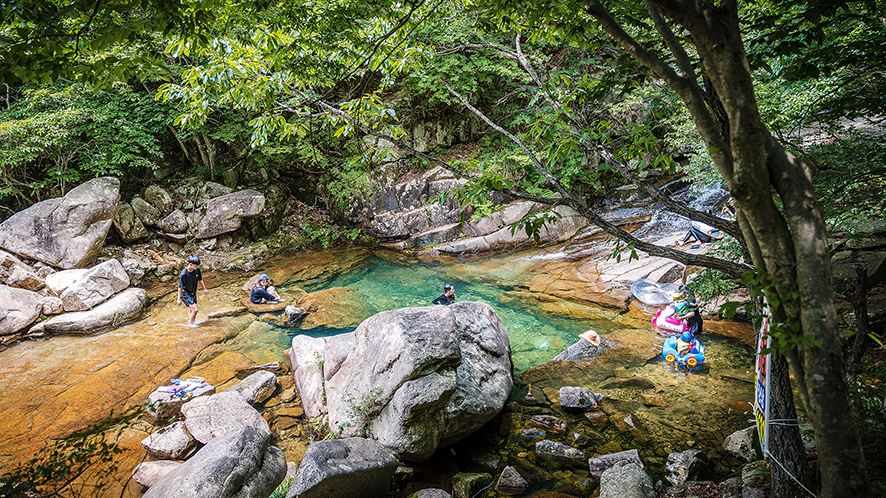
(578, 399)
(559, 453)
(511, 482)
(599, 465)
(468, 485)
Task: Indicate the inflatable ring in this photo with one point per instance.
(670, 358)
(692, 362)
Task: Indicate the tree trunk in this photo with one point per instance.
(790, 250)
(859, 301)
(785, 443)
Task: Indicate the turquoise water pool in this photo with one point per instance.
(385, 281)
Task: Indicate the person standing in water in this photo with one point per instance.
(187, 288)
(448, 296)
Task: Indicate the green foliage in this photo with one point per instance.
(88, 40)
(59, 466)
(57, 136)
(329, 235)
(852, 181)
(785, 336)
(283, 488)
(710, 284)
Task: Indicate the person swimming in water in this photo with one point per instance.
(448, 296)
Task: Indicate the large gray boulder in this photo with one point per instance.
(145, 212)
(240, 464)
(159, 198)
(415, 379)
(176, 223)
(224, 214)
(306, 357)
(14, 273)
(93, 286)
(20, 308)
(127, 224)
(626, 481)
(209, 417)
(115, 311)
(344, 467)
(65, 232)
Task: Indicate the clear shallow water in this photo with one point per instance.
(384, 281)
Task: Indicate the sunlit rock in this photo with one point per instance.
(94, 285)
(174, 223)
(148, 473)
(209, 417)
(65, 232)
(172, 442)
(14, 273)
(602, 463)
(239, 464)
(257, 387)
(117, 310)
(20, 308)
(559, 453)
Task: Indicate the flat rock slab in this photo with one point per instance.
(265, 307)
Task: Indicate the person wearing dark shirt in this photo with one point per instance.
(448, 296)
(263, 292)
(686, 308)
(187, 288)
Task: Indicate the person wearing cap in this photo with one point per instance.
(685, 308)
(263, 291)
(188, 279)
(448, 296)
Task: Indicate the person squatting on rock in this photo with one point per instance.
(685, 308)
(263, 291)
(187, 287)
(448, 296)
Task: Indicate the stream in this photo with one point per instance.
(64, 383)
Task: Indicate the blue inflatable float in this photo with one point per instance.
(683, 352)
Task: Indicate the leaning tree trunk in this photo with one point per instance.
(789, 250)
(793, 247)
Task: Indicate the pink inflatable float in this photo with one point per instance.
(665, 319)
